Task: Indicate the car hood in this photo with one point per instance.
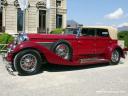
(49, 36)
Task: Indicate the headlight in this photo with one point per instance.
(20, 38)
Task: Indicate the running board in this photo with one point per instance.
(92, 60)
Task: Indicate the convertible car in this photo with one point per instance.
(77, 46)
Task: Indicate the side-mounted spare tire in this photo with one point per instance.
(63, 49)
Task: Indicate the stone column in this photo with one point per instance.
(52, 23)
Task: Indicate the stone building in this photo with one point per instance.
(41, 16)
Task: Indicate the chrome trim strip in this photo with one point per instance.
(91, 60)
(45, 42)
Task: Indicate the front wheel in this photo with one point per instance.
(27, 62)
(115, 57)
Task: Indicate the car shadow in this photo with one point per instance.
(62, 68)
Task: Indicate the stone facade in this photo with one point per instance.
(40, 17)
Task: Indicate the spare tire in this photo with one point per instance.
(63, 49)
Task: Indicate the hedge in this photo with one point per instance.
(5, 39)
(123, 35)
(57, 31)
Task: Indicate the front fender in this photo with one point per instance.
(28, 44)
(22, 46)
(49, 55)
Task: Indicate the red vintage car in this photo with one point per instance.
(80, 46)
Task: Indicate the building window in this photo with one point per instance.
(1, 16)
(42, 21)
(58, 3)
(59, 21)
(0, 20)
(19, 20)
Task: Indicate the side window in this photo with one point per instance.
(88, 32)
(84, 32)
(70, 31)
(91, 32)
(102, 32)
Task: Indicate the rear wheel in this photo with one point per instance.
(115, 57)
(28, 62)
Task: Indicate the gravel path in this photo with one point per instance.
(64, 81)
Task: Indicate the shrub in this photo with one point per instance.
(57, 31)
(5, 39)
(123, 35)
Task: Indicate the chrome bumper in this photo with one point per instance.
(8, 65)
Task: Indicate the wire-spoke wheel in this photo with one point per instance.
(28, 62)
(115, 57)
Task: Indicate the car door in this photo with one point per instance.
(102, 40)
(86, 41)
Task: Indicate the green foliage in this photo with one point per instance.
(5, 39)
(57, 31)
(123, 35)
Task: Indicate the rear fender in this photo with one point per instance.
(110, 49)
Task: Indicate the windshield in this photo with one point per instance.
(71, 31)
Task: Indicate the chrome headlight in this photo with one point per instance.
(20, 38)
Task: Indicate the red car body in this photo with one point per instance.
(83, 49)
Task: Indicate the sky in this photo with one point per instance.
(98, 12)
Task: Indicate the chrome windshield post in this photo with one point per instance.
(78, 32)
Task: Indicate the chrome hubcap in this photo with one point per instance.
(28, 62)
(62, 50)
(115, 56)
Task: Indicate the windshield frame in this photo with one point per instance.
(77, 31)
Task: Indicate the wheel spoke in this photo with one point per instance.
(62, 50)
(28, 62)
(115, 56)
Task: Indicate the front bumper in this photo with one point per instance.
(8, 65)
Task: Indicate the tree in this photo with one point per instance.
(123, 35)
